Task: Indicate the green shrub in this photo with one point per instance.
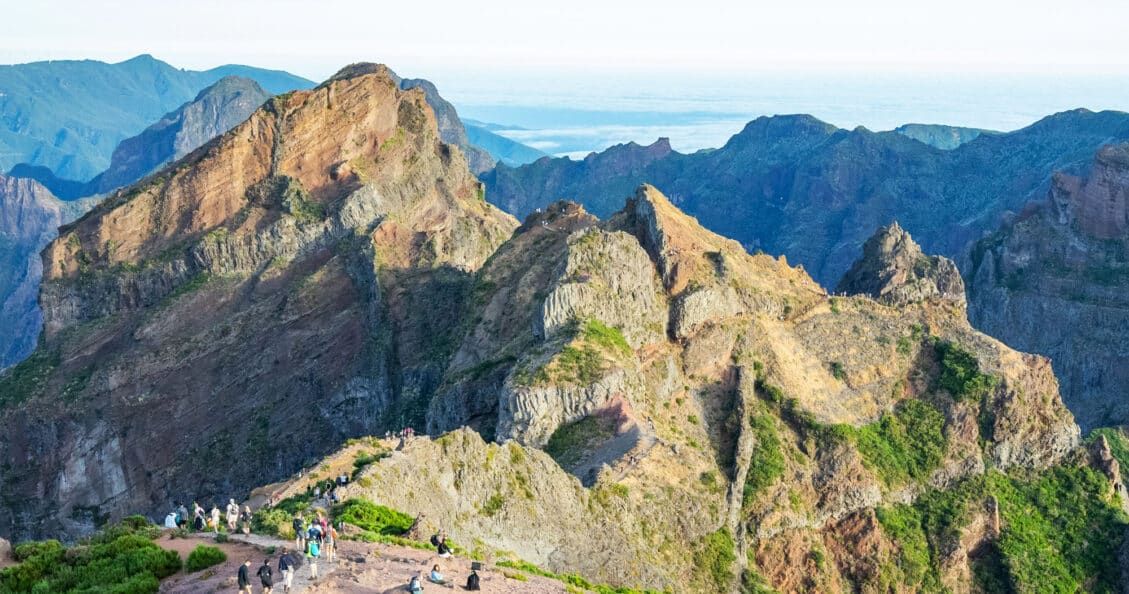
(837, 371)
(273, 521)
(203, 557)
(767, 461)
(122, 559)
(907, 444)
(715, 556)
(596, 332)
(369, 516)
(960, 373)
(493, 505)
(363, 459)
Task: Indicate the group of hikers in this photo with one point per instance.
(287, 565)
(236, 518)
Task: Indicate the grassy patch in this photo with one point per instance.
(596, 332)
(766, 464)
(571, 580)
(493, 505)
(122, 559)
(363, 459)
(715, 557)
(203, 557)
(907, 444)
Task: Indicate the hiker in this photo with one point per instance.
(181, 515)
(313, 551)
(170, 520)
(245, 519)
(414, 585)
(313, 532)
(317, 492)
(245, 578)
(436, 577)
(232, 515)
(331, 544)
(198, 522)
(286, 568)
(472, 581)
(323, 522)
(442, 548)
(300, 535)
(265, 575)
(215, 518)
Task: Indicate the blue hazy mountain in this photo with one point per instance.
(70, 115)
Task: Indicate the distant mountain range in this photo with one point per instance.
(70, 115)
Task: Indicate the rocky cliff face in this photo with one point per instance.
(248, 308)
(724, 420)
(1053, 281)
(893, 270)
(29, 216)
(940, 136)
(214, 111)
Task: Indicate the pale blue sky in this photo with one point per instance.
(437, 38)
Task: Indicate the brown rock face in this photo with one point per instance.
(1100, 203)
(248, 308)
(894, 271)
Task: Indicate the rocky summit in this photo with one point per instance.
(1054, 281)
(247, 308)
(893, 270)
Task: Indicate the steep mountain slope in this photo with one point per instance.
(796, 186)
(249, 307)
(29, 216)
(683, 415)
(450, 126)
(504, 150)
(216, 110)
(70, 115)
(1054, 281)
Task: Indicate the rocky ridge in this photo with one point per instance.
(263, 285)
(893, 270)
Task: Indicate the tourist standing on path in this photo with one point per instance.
(182, 514)
(286, 568)
(313, 551)
(331, 544)
(216, 518)
(245, 519)
(265, 575)
(244, 577)
(232, 515)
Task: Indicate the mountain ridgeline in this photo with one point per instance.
(636, 399)
(69, 115)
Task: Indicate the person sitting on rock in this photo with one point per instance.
(414, 585)
(436, 577)
(442, 548)
(472, 581)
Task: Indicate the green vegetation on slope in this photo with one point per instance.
(960, 373)
(367, 515)
(572, 441)
(26, 380)
(570, 579)
(767, 461)
(906, 444)
(122, 559)
(1060, 532)
(584, 360)
(715, 557)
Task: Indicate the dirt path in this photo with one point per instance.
(360, 568)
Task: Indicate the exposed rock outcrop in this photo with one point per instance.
(894, 271)
(1053, 281)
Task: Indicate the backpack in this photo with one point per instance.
(314, 550)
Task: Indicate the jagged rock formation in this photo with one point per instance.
(1053, 281)
(451, 128)
(941, 136)
(248, 308)
(685, 361)
(69, 115)
(893, 270)
(29, 215)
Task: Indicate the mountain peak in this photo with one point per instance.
(893, 270)
(360, 69)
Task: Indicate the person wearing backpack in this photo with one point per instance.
(299, 533)
(266, 576)
(313, 551)
(472, 581)
(414, 585)
(286, 568)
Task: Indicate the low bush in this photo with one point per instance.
(715, 556)
(960, 372)
(369, 516)
(767, 461)
(203, 557)
(122, 559)
(906, 444)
